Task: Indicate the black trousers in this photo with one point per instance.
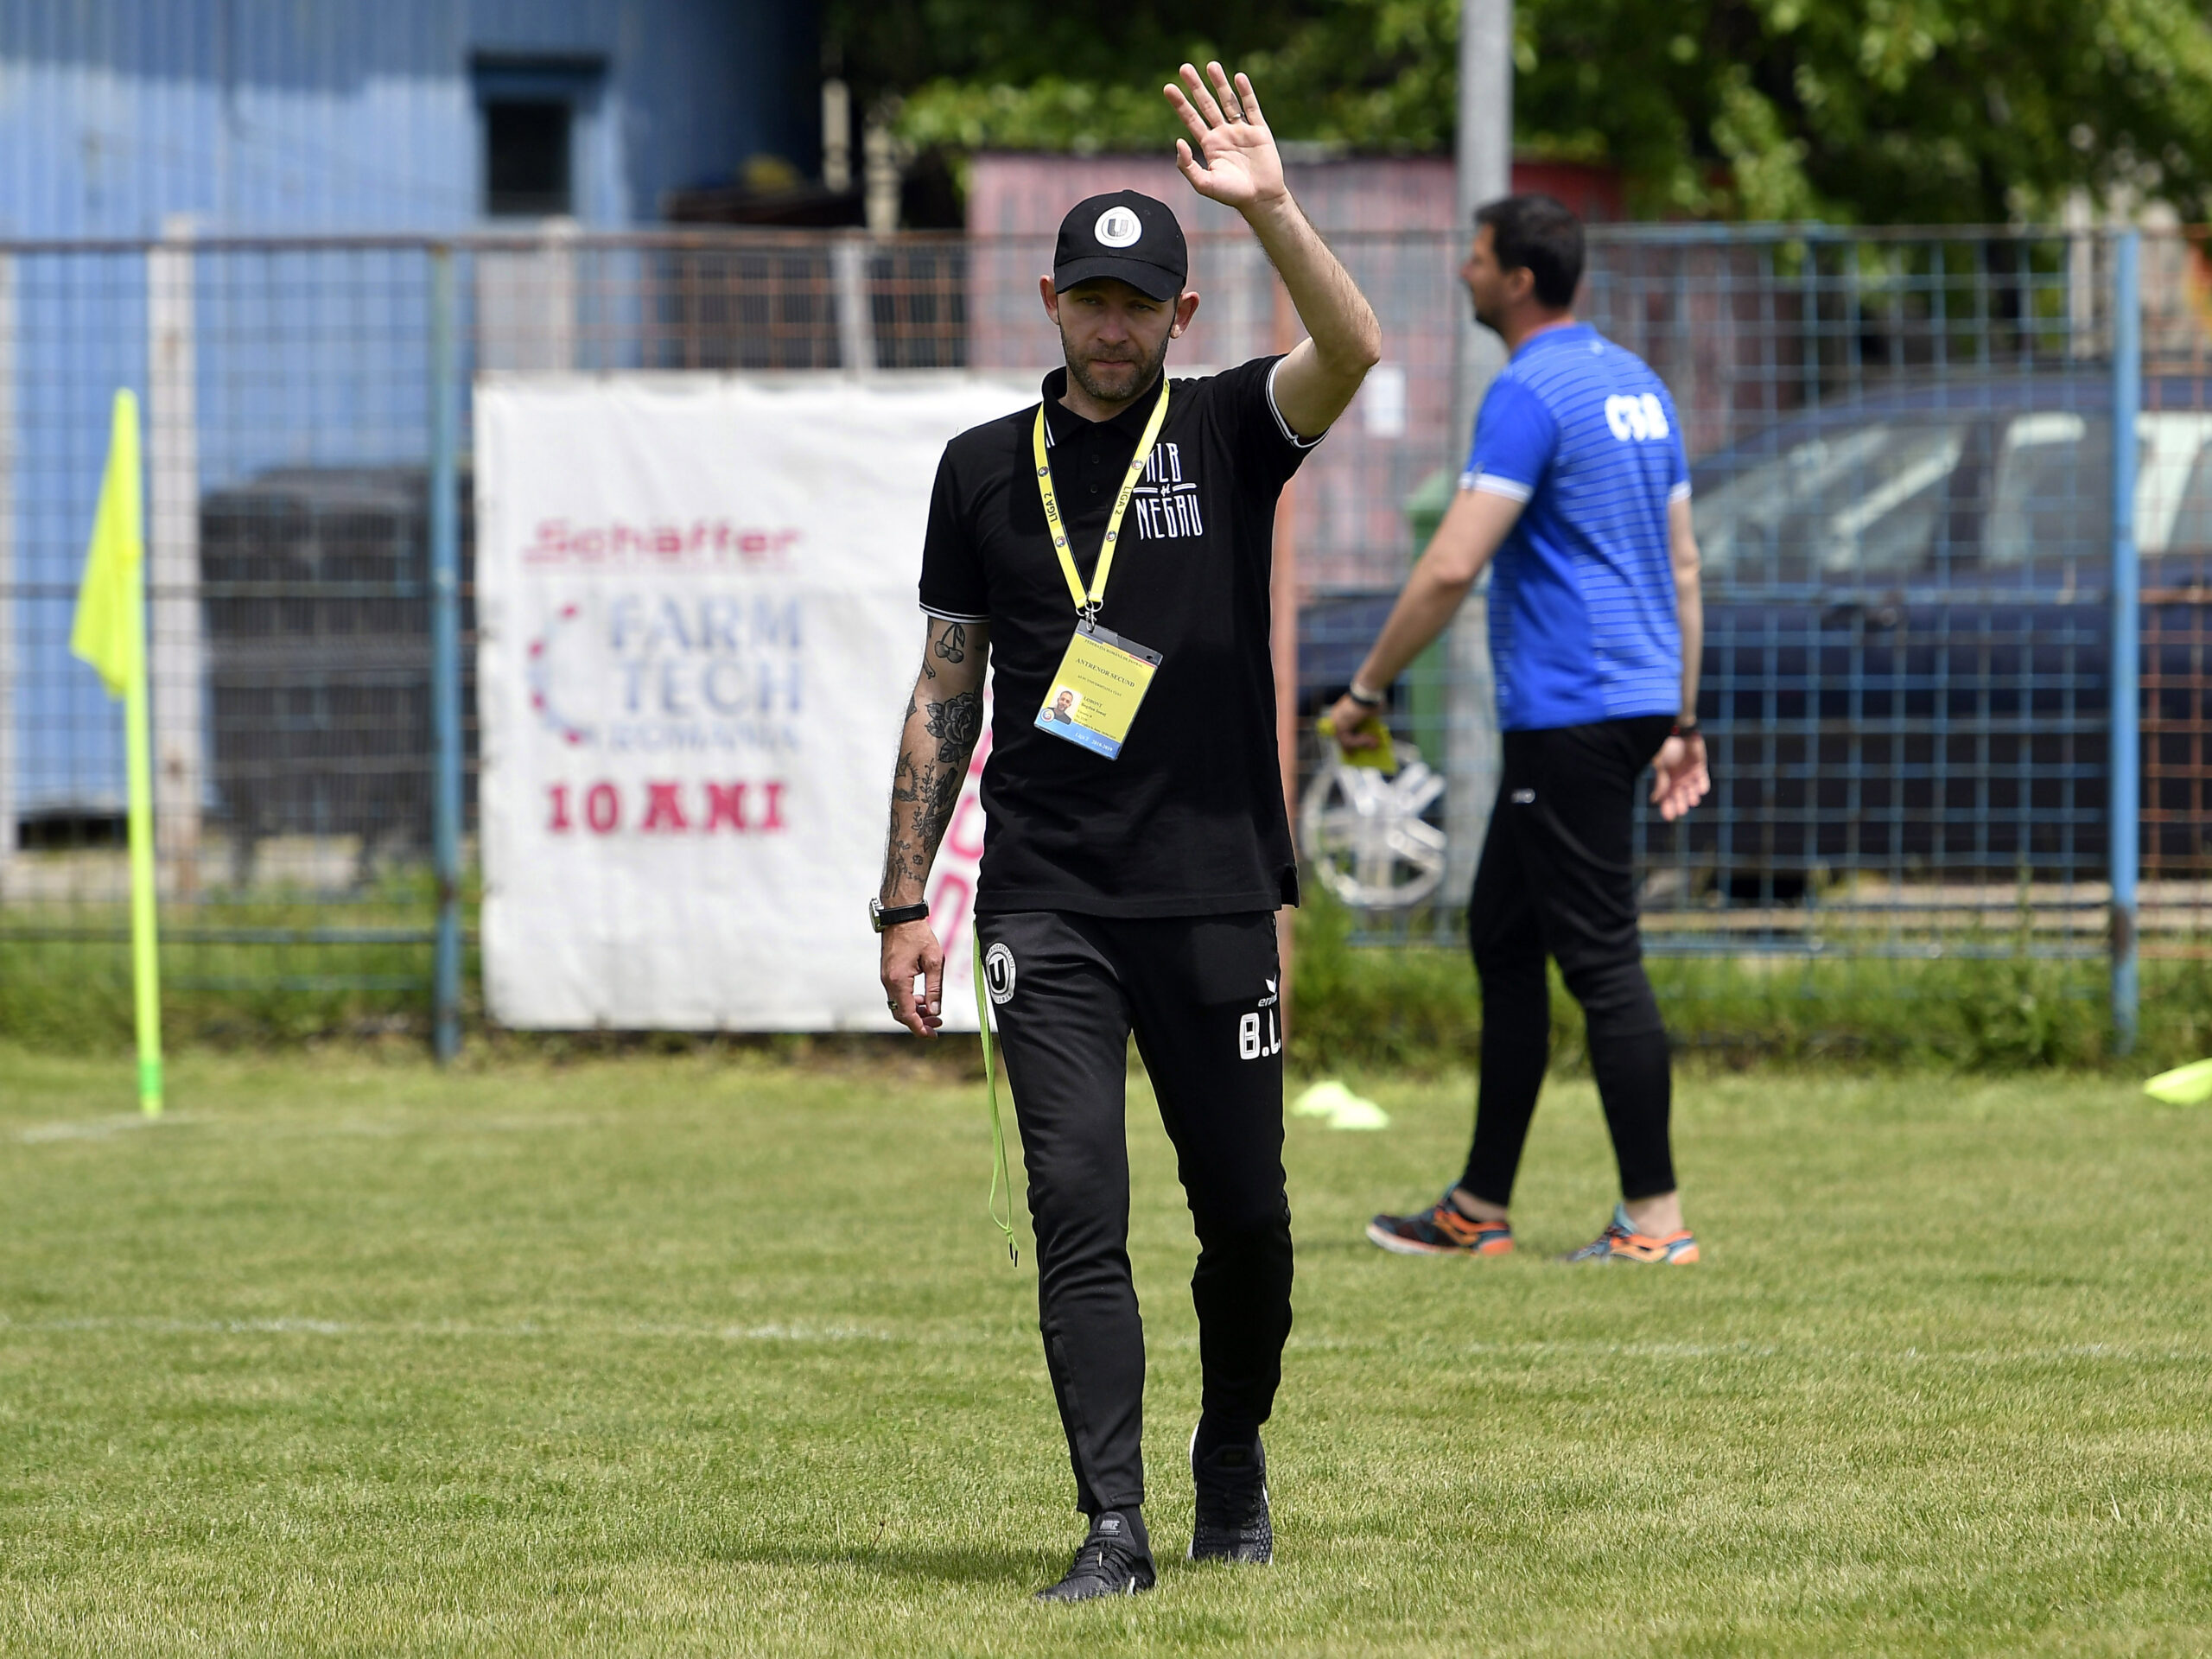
(1201, 994)
(1558, 877)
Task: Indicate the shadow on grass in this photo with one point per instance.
(980, 1564)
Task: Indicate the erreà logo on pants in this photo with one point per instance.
(998, 973)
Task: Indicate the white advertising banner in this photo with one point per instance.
(697, 630)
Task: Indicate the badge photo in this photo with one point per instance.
(1103, 675)
(1094, 695)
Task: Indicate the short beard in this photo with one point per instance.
(1148, 372)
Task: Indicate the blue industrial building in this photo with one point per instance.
(251, 137)
(325, 115)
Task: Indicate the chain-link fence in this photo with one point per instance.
(1921, 526)
(1910, 483)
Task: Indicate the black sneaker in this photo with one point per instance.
(1232, 1523)
(1442, 1230)
(1113, 1561)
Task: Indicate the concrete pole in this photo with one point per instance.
(1485, 172)
(445, 653)
(2126, 635)
(10, 661)
(837, 136)
(178, 657)
(1283, 647)
(848, 261)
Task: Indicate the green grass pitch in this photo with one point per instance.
(674, 1356)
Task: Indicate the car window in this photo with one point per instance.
(2191, 532)
(2050, 502)
(1856, 505)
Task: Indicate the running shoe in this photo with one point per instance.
(1620, 1242)
(1114, 1559)
(1232, 1523)
(1443, 1228)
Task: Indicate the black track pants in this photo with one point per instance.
(1558, 877)
(1201, 996)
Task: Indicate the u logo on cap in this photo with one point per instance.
(1118, 227)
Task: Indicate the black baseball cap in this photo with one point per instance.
(1127, 235)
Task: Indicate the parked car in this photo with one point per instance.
(1908, 632)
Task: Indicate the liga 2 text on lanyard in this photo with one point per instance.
(1103, 679)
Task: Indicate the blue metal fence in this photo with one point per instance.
(1925, 510)
(1916, 456)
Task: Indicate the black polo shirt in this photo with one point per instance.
(1189, 820)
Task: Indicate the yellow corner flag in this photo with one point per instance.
(110, 633)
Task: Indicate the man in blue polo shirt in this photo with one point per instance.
(1577, 484)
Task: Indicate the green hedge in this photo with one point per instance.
(1408, 1008)
(1416, 1007)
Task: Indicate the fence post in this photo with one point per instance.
(445, 654)
(11, 664)
(2127, 634)
(1483, 171)
(178, 646)
(849, 257)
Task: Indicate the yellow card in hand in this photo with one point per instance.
(1094, 695)
(1382, 756)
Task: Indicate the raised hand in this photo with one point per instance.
(1237, 163)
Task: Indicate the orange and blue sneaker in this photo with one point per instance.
(1620, 1242)
(1443, 1228)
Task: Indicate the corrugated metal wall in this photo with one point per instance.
(336, 115)
(292, 118)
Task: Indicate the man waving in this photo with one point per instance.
(1114, 542)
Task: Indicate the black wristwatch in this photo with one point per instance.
(1366, 698)
(879, 918)
(1687, 728)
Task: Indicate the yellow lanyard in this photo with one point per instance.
(1087, 604)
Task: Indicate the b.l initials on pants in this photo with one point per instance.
(1259, 1034)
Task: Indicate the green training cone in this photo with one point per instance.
(2185, 1085)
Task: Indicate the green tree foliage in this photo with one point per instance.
(1933, 110)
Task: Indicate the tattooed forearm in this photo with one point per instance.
(906, 866)
(955, 723)
(939, 794)
(926, 786)
(944, 722)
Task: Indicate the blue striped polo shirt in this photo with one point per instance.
(1582, 619)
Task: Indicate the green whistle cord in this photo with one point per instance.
(999, 1177)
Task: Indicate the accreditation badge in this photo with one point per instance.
(1094, 695)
